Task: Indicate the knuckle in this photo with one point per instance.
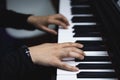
(49, 20)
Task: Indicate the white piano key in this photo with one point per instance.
(89, 53)
(83, 15)
(94, 23)
(73, 77)
(73, 63)
(68, 77)
(96, 53)
(64, 8)
(70, 39)
(61, 72)
(89, 38)
(85, 23)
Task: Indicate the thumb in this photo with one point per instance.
(66, 66)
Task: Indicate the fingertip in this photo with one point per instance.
(80, 45)
(51, 31)
(83, 55)
(68, 67)
(68, 24)
(64, 26)
(76, 69)
(65, 20)
(54, 32)
(82, 58)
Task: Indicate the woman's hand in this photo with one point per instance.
(42, 22)
(52, 54)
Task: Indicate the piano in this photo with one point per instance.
(96, 24)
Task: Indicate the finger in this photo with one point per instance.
(74, 53)
(58, 22)
(76, 50)
(49, 30)
(63, 18)
(71, 44)
(65, 66)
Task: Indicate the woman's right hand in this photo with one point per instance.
(52, 54)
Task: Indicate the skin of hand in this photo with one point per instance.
(42, 22)
(52, 54)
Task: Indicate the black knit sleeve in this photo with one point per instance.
(13, 19)
(16, 65)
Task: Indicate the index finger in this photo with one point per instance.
(63, 19)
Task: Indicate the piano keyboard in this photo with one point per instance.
(84, 28)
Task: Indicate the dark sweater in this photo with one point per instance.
(14, 63)
(12, 18)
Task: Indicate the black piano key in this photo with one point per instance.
(90, 43)
(86, 28)
(81, 10)
(89, 34)
(94, 66)
(80, 2)
(93, 58)
(78, 19)
(93, 48)
(96, 75)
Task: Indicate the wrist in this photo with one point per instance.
(32, 51)
(30, 19)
